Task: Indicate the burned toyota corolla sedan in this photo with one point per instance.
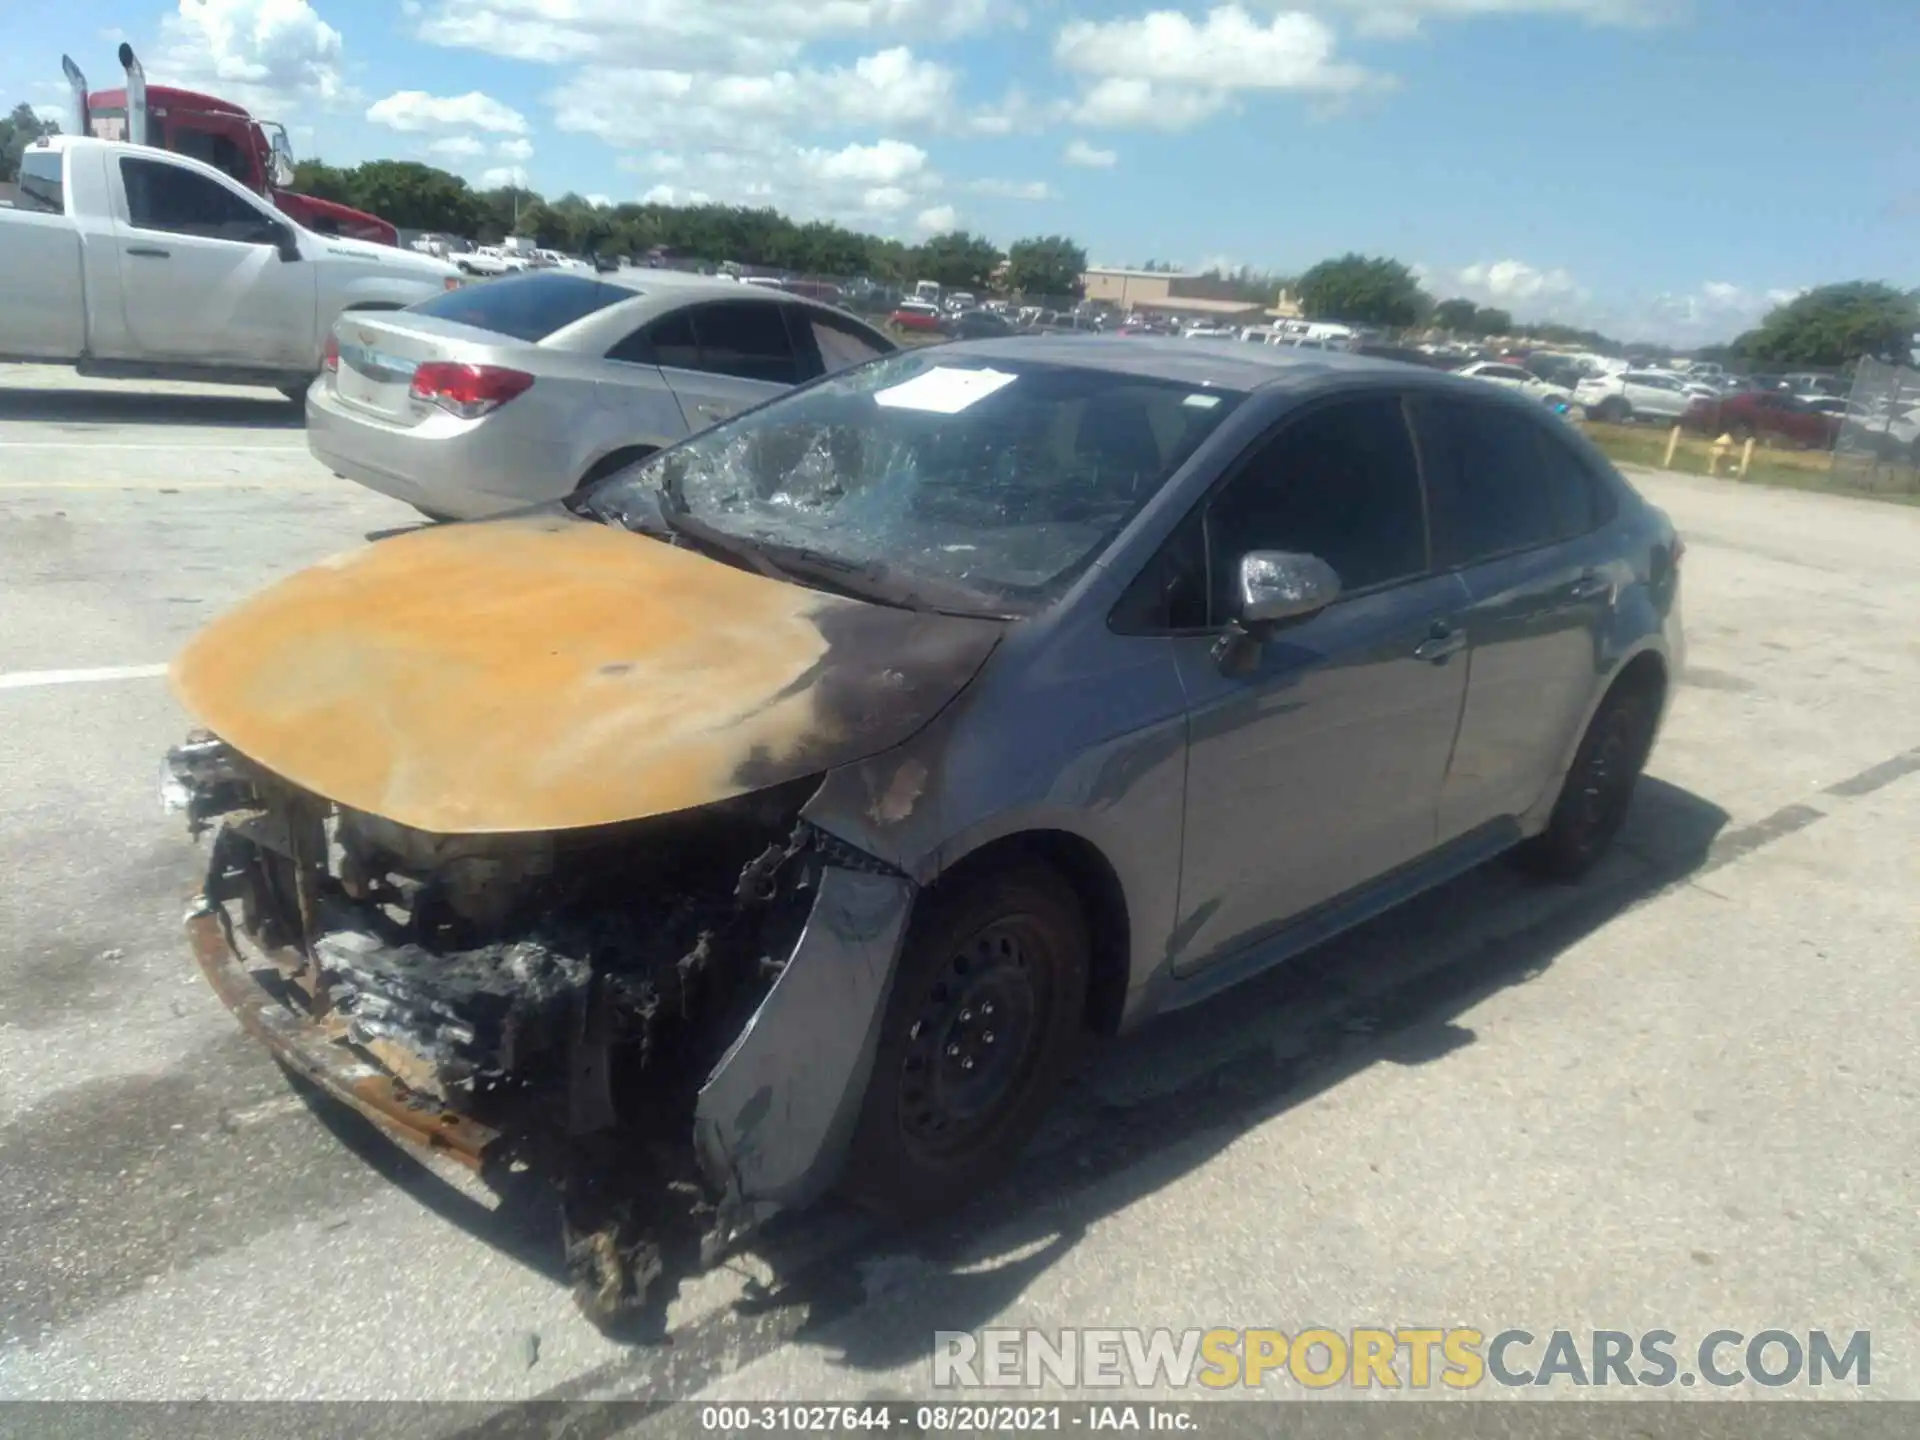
(779, 813)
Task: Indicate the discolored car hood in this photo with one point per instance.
(548, 673)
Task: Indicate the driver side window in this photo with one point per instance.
(1340, 483)
(174, 199)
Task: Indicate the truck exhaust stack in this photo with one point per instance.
(81, 118)
(136, 96)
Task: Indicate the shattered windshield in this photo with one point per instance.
(995, 477)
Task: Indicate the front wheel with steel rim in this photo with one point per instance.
(981, 1026)
(1599, 786)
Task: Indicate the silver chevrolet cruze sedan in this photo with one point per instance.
(796, 798)
(502, 394)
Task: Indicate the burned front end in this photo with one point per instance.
(684, 1003)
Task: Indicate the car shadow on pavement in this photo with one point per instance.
(1146, 1110)
(86, 407)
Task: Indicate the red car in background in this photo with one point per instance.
(915, 315)
(1764, 415)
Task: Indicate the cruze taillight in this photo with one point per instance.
(468, 391)
(330, 360)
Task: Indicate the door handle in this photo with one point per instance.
(1442, 640)
(1590, 587)
(148, 252)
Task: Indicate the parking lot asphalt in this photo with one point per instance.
(1680, 1096)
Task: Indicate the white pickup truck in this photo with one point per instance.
(131, 263)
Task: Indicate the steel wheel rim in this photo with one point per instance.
(974, 1039)
(1606, 779)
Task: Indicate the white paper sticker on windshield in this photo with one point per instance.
(1201, 402)
(943, 390)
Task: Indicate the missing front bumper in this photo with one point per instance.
(319, 1051)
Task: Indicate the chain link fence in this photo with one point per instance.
(1878, 447)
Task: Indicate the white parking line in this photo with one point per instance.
(135, 445)
(26, 679)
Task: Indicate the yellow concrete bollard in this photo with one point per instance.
(1718, 453)
(1673, 444)
(1746, 457)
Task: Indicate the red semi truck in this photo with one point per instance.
(219, 133)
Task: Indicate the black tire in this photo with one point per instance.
(1007, 949)
(1598, 790)
(1741, 432)
(297, 393)
(1615, 410)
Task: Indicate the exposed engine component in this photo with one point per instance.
(569, 991)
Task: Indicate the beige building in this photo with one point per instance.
(1180, 296)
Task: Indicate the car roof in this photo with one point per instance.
(646, 303)
(1246, 367)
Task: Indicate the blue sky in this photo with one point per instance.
(1661, 169)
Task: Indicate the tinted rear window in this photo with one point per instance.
(40, 187)
(1491, 490)
(527, 307)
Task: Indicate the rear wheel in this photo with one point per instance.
(297, 393)
(982, 1025)
(1615, 410)
(1599, 786)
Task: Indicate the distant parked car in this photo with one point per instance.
(494, 397)
(977, 325)
(916, 315)
(1522, 381)
(1634, 394)
(1562, 371)
(1765, 415)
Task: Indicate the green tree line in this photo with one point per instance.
(420, 197)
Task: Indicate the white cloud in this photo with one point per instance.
(671, 109)
(416, 110)
(457, 147)
(1167, 71)
(1715, 310)
(599, 201)
(713, 34)
(1513, 284)
(501, 175)
(1128, 103)
(1013, 189)
(267, 55)
(937, 218)
(668, 195)
(1079, 152)
(519, 150)
(886, 162)
(886, 199)
(1400, 18)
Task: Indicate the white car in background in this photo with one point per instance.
(1634, 394)
(489, 260)
(1513, 377)
(1209, 332)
